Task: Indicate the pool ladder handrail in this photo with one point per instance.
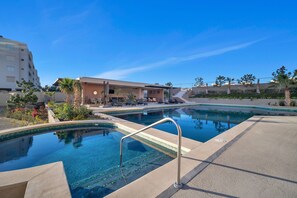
(178, 183)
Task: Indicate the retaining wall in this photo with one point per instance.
(262, 102)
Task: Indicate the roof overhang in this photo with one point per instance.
(110, 82)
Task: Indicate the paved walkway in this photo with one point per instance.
(6, 123)
(180, 95)
(262, 163)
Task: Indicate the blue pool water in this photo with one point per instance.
(197, 123)
(90, 157)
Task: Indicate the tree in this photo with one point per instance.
(168, 93)
(220, 80)
(247, 80)
(229, 80)
(66, 86)
(169, 84)
(284, 80)
(117, 92)
(199, 82)
(27, 97)
(77, 93)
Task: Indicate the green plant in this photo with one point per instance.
(281, 103)
(284, 79)
(247, 80)
(66, 86)
(65, 112)
(198, 82)
(26, 98)
(293, 103)
(131, 97)
(220, 80)
(51, 104)
(26, 115)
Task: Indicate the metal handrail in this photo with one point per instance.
(178, 183)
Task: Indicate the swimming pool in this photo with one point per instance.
(197, 122)
(90, 156)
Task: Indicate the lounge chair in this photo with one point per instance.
(141, 102)
(115, 103)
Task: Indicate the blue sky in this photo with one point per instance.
(154, 41)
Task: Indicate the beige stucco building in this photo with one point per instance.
(97, 89)
(16, 64)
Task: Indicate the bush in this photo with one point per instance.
(293, 103)
(28, 115)
(281, 103)
(66, 112)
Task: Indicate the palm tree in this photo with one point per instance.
(285, 79)
(117, 92)
(66, 87)
(77, 93)
(229, 79)
(170, 85)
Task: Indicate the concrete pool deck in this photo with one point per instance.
(256, 158)
(262, 163)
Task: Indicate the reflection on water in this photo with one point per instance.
(15, 148)
(76, 136)
(197, 124)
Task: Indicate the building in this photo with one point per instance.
(16, 64)
(98, 90)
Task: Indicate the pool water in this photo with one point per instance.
(90, 157)
(196, 123)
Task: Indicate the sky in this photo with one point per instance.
(154, 41)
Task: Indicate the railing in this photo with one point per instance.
(178, 183)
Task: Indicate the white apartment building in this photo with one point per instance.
(16, 64)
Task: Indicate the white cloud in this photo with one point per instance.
(123, 73)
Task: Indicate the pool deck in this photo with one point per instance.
(256, 158)
(262, 163)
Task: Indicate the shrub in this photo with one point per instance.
(51, 104)
(65, 112)
(27, 115)
(293, 103)
(281, 103)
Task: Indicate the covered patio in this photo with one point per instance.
(105, 91)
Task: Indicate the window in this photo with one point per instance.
(29, 74)
(22, 68)
(10, 78)
(22, 59)
(22, 49)
(10, 68)
(29, 66)
(111, 91)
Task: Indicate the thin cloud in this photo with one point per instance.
(124, 73)
(75, 18)
(58, 41)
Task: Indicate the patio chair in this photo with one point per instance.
(115, 103)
